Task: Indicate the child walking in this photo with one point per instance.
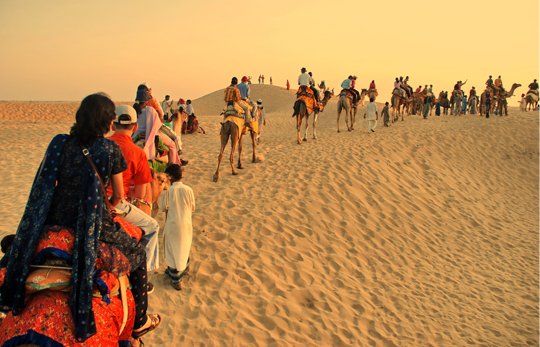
(178, 202)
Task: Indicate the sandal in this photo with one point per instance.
(155, 320)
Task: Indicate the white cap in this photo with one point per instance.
(125, 114)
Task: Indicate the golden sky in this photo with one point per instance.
(66, 49)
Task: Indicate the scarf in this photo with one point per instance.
(87, 231)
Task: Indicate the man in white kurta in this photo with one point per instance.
(372, 115)
(179, 203)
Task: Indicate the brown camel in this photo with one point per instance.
(327, 96)
(345, 103)
(399, 105)
(301, 111)
(229, 129)
(531, 101)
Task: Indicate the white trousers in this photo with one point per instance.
(372, 124)
(151, 231)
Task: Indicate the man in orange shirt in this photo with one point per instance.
(137, 174)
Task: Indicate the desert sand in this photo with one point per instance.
(421, 234)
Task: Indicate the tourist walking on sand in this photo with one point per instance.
(288, 85)
(261, 117)
(386, 115)
(523, 103)
(270, 80)
(464, 105)
(427, 105)
(178, 201)
(371, 115)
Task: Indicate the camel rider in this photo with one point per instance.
(232, 94)
(353, 85)
(398, 87)
(303, 82)
(458, 85)
(346, 85)
(533, 88)
(498, 83)
(312, 85)
(418, 90)
(246, 104)
(430, 89)
(489, 82)
(373, 88)
(472, 92)
(322, 87)
(405, 85)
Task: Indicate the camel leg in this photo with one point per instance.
(315, 116)
(298, 127)
(224, 139)
(254, 143)
(306, 128)
(353, 117)
(240, 152)
(347, 115)
(338, 115)
(235, 139)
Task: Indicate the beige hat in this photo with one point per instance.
(125, 114)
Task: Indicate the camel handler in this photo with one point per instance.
(137, 174)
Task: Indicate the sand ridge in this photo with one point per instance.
(422, 234)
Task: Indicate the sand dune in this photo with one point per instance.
(422, 234)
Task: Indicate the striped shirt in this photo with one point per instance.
(232, 94)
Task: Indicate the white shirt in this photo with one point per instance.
(166, 106)
(190, 109)
(371, 111)
(303, 79)
(179, 203)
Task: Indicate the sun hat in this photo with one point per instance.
(125, 114)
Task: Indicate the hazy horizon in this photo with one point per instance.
(64, 50)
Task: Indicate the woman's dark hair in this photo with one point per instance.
(234, 81)
(93, 118)
(175, 171)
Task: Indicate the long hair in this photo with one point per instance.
(93, 118)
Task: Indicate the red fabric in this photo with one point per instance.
(129, 228)
(138, 171)
(48, 313)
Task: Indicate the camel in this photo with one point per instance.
(496, 105)
(363, 93)
(301, 111)
(230, 128)
(327, 96)
(531, 100)
(457, 98)
(399, 105)
(473, 103)
(345, 103)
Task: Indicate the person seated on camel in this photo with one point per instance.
(489, 82)
(472, 92)
(407, 87)
(312, 85)
(419, 89)
(232, 95)
(144, 93)
(498, 84)
(533, 87)
(304, 80)
(346, 85)
(373, 88)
